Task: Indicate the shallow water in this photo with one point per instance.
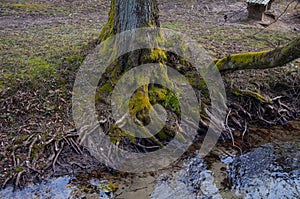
(57, 188)
(53, 188)
(269, 171)
(195, 181)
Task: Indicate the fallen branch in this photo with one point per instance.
(18, 178)
(57, 155)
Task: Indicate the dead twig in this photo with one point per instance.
(75, 146)
(6, 180)
(18, 178)
(31, 146)
(245, 130)
(14, 158)
(229, 129)
(57, 155)
(49, 141)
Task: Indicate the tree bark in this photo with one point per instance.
(128, 15)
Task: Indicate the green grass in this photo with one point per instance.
(37, 54)
(50, 8)
(173, 26)
(34, 54)
(226, 40)
(28, 6)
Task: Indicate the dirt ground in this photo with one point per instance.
(43, 42)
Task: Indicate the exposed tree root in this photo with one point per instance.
(37, 148)
(260, 60)
(253, 94)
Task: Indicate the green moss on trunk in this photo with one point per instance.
(107, 29)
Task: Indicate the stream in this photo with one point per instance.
(270, 170)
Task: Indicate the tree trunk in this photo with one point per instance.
(128, 15)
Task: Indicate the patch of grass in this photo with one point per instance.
(52, 8)
(19, 169)
(28, 6)
(173, 26)
(226, 40)
(38, 67)
(36, 55)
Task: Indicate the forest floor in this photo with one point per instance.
(43, 43)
